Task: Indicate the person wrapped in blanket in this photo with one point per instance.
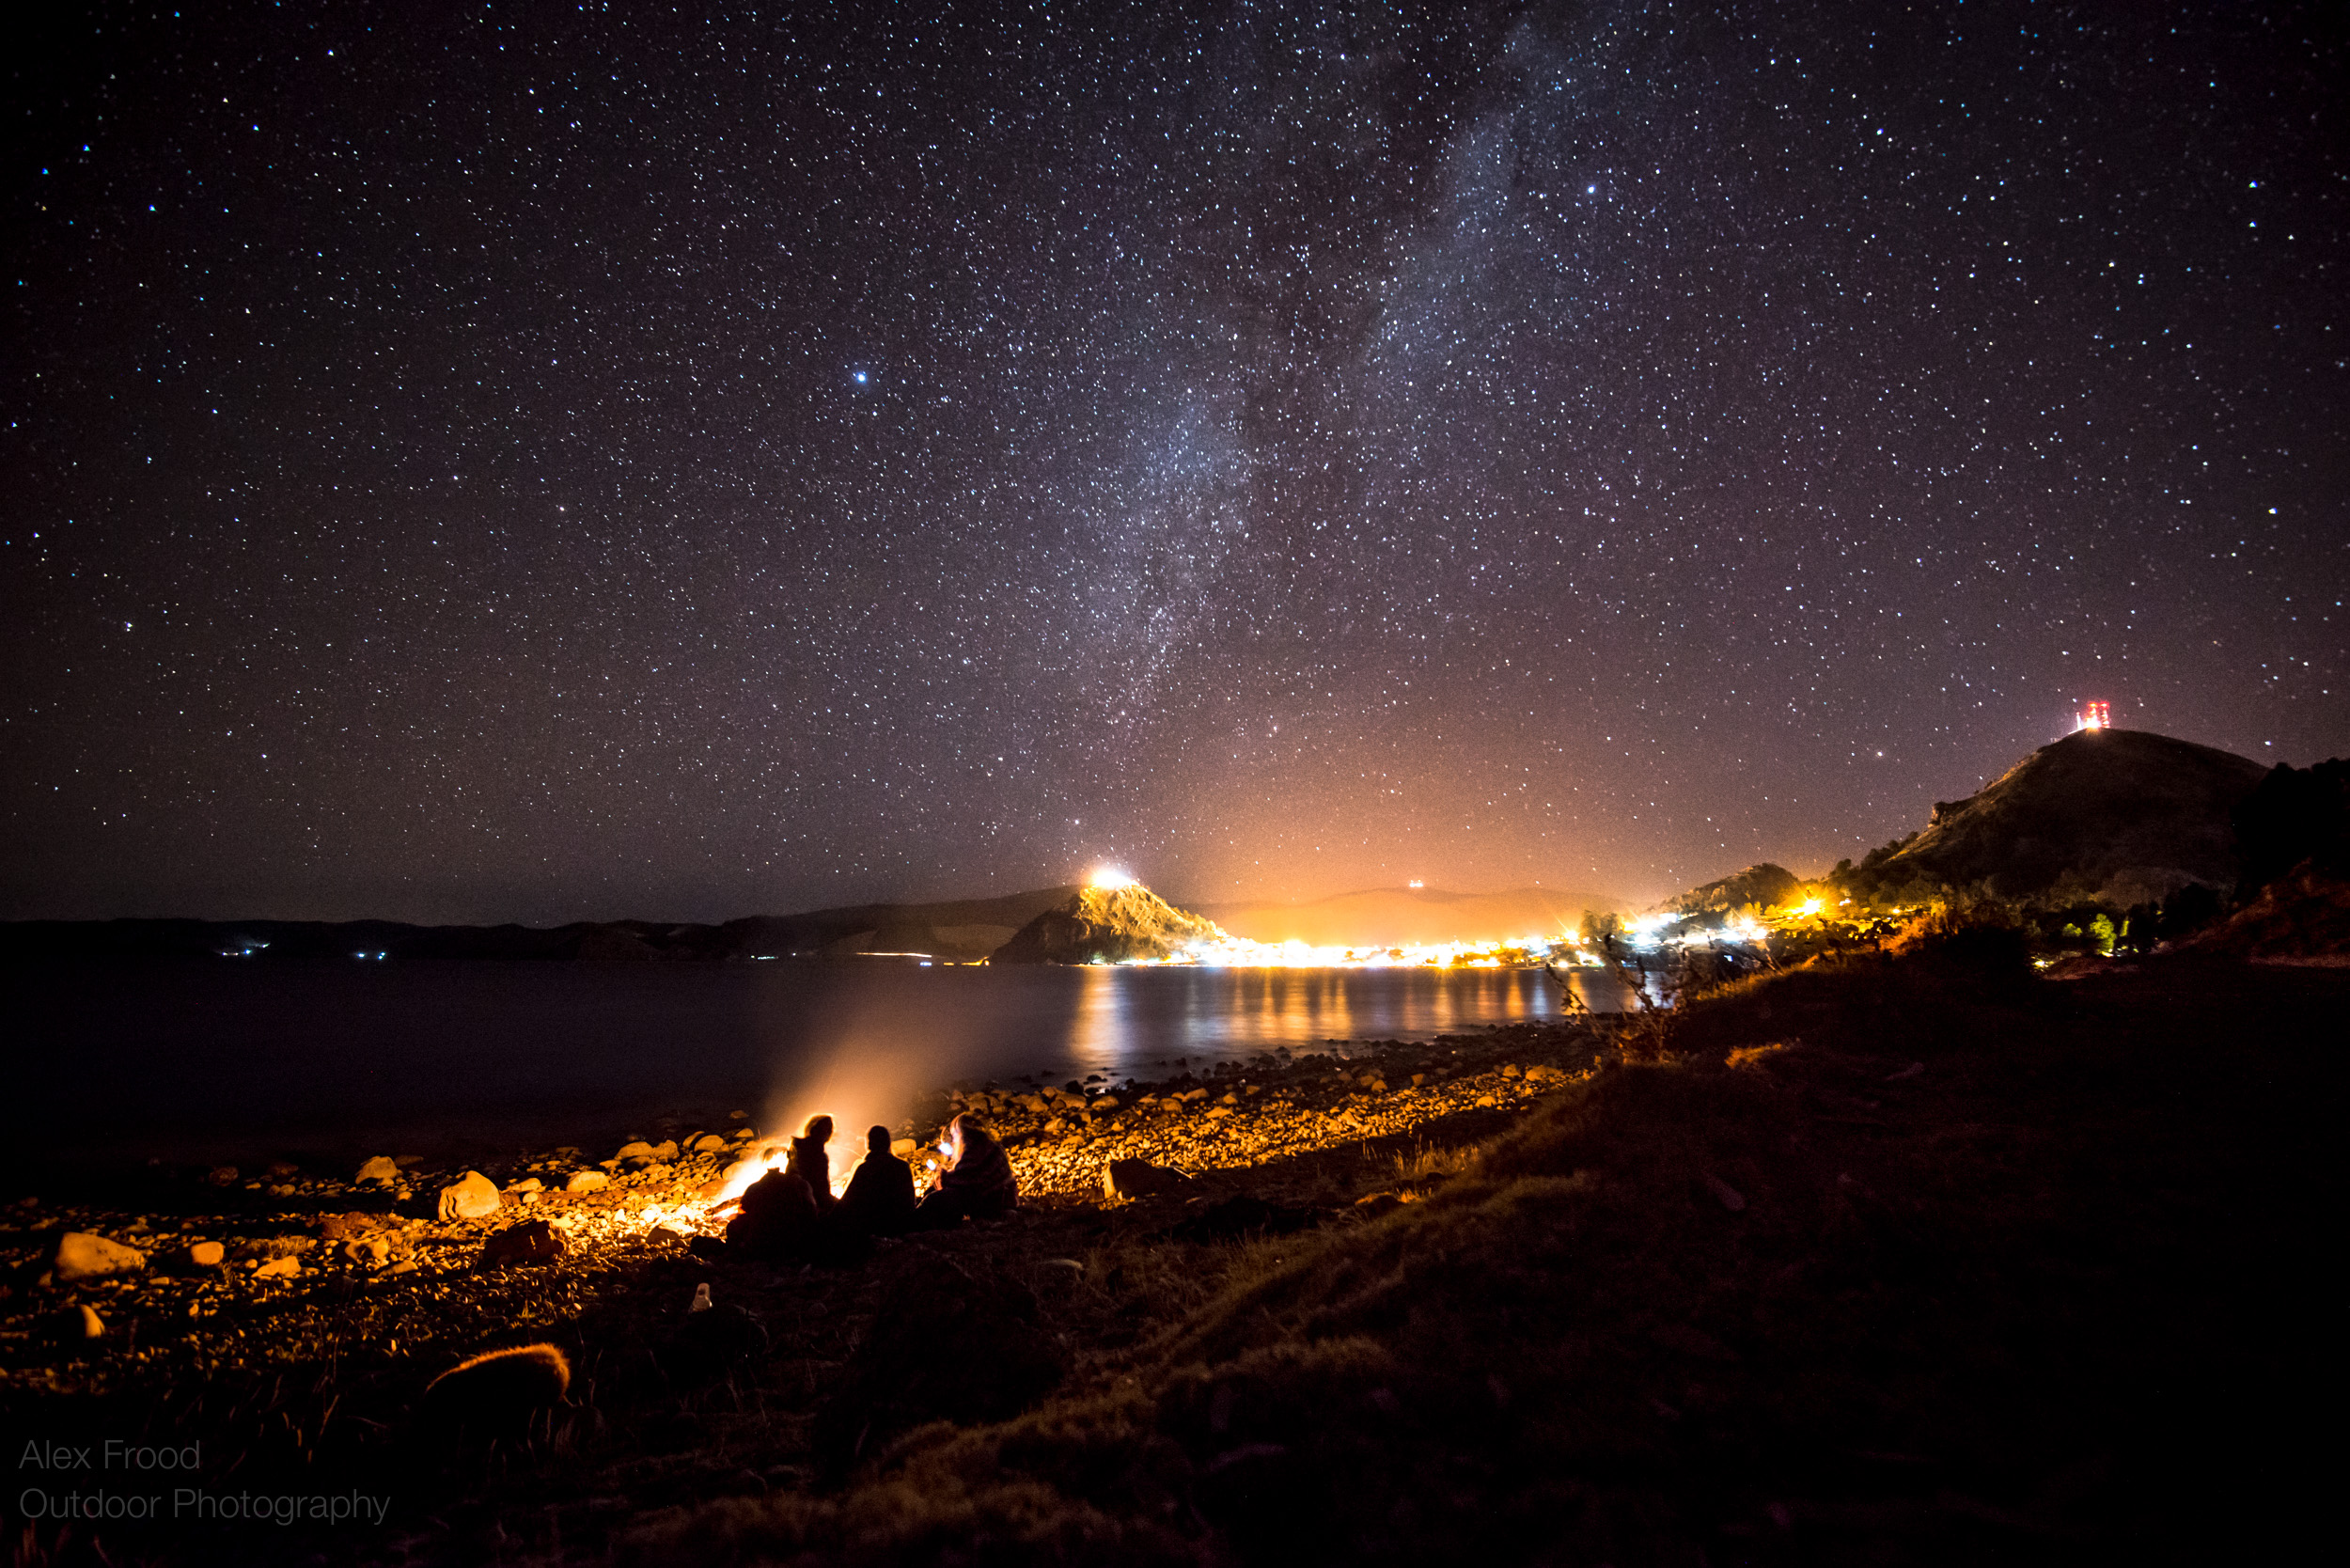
(978, 1184)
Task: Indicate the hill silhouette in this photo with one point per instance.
(2124, 813)
(955, 928)
(1109, 924)
(1390, 916)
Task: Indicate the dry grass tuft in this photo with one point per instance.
(1429, 1163)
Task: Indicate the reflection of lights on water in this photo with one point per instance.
(1241, 953)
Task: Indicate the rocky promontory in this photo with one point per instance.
(2122, 813)
(1108, 925)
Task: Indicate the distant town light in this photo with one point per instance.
(1415, 883)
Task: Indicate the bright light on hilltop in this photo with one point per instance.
(1109, 879)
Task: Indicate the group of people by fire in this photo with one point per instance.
(791, 1212)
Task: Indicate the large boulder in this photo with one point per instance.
(534, 1241)
(83, 1256)
(1124, 1180)
(710, 1342)
(499, 1391)
(475, 1196)
(381, 1170)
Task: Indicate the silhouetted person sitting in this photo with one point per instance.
(880, 1199)
(980, 1184)
(779, 1217)
(810, 1163)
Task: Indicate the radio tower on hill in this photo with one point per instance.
(2095, 715)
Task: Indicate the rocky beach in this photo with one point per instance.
(289, 1312)
(1729, 1276)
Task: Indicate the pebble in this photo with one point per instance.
(587, 1181)
(1289, 1114)
(383, 1170)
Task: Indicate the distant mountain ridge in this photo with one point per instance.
(955, 928)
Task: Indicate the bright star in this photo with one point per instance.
(860, 378)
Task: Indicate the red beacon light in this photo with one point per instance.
(2095, 715)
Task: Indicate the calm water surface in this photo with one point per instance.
(229, 1060)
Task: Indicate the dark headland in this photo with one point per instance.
(1963, 1228)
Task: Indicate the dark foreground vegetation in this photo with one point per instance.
(1908, 1262)
(1915, 1259)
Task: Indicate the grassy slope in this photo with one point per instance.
(2050, 1299)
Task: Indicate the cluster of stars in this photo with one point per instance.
(630, 464)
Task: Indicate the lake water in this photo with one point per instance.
(229, 1060)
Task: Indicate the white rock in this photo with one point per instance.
(474, 1197)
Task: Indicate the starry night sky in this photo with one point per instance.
(530, 463)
